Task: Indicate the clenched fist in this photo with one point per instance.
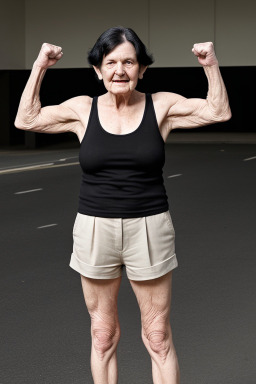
(205, 53)
(49, 55)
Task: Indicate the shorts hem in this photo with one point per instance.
(94, 272)
(154, 271)
(111, 272)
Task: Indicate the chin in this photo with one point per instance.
(121, 90)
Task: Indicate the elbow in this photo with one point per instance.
(220, 111)
(18, 124)
(19, 121)
(222, 116)
(227, 115)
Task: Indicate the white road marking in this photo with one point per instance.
(179, 174)
(25, 166)
(250, 158)
(36, 164)
(47, 226)
(68, 158)
(29, 168)
(31, 190)
(36, 167)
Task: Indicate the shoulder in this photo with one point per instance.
(163, 103)
(79, 102)
(80, 107)
(166, 99)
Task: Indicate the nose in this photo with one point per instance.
(119, 69)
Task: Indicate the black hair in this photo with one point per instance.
(113, 37)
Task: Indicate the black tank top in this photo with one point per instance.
(122, 174)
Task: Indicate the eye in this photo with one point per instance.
(128, 63)
(110, 64)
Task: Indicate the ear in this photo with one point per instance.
(142, 71)
(98, 72)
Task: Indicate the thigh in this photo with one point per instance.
(101, 297)
(154, 299)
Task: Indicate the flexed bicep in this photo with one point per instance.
(51, 119)
(56, 119)
(30, 115)
(190, 113)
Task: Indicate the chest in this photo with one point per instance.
(120, 122)
(135, 152)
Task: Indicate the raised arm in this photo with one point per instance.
(51, 119)
(192, 113)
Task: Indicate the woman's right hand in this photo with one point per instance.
(48, 55)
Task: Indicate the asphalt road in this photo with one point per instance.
(45, 327)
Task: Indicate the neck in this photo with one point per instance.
(121, 100)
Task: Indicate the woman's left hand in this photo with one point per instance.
(205, 53)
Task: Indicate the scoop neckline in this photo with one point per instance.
(125, 134)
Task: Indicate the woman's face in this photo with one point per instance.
(120, 69)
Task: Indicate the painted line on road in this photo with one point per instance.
(47, 226)
(36, 167)
(29, 168)
(250, 158)
(37, 164)
(31, 190)
(68, 158)
(179, 174)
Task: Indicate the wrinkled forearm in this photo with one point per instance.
(30, 105)
(217, 97)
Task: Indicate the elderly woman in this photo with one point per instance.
(123, 216)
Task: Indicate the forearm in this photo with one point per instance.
(30, 105)
(217, 97)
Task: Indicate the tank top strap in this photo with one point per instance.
(92, 117)
(151, 119)
(93, 112)
(150, 104)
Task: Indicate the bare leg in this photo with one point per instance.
(154, 299)
(101, 301)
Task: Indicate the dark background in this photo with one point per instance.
(62, 84)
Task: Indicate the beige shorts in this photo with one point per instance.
(145, 245)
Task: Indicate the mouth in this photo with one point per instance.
(120, 81)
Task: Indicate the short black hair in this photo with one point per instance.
(113, 37)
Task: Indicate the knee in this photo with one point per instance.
(156, 336)
(157, 340)
(105, 339)
(157, 343)
(105, 335)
